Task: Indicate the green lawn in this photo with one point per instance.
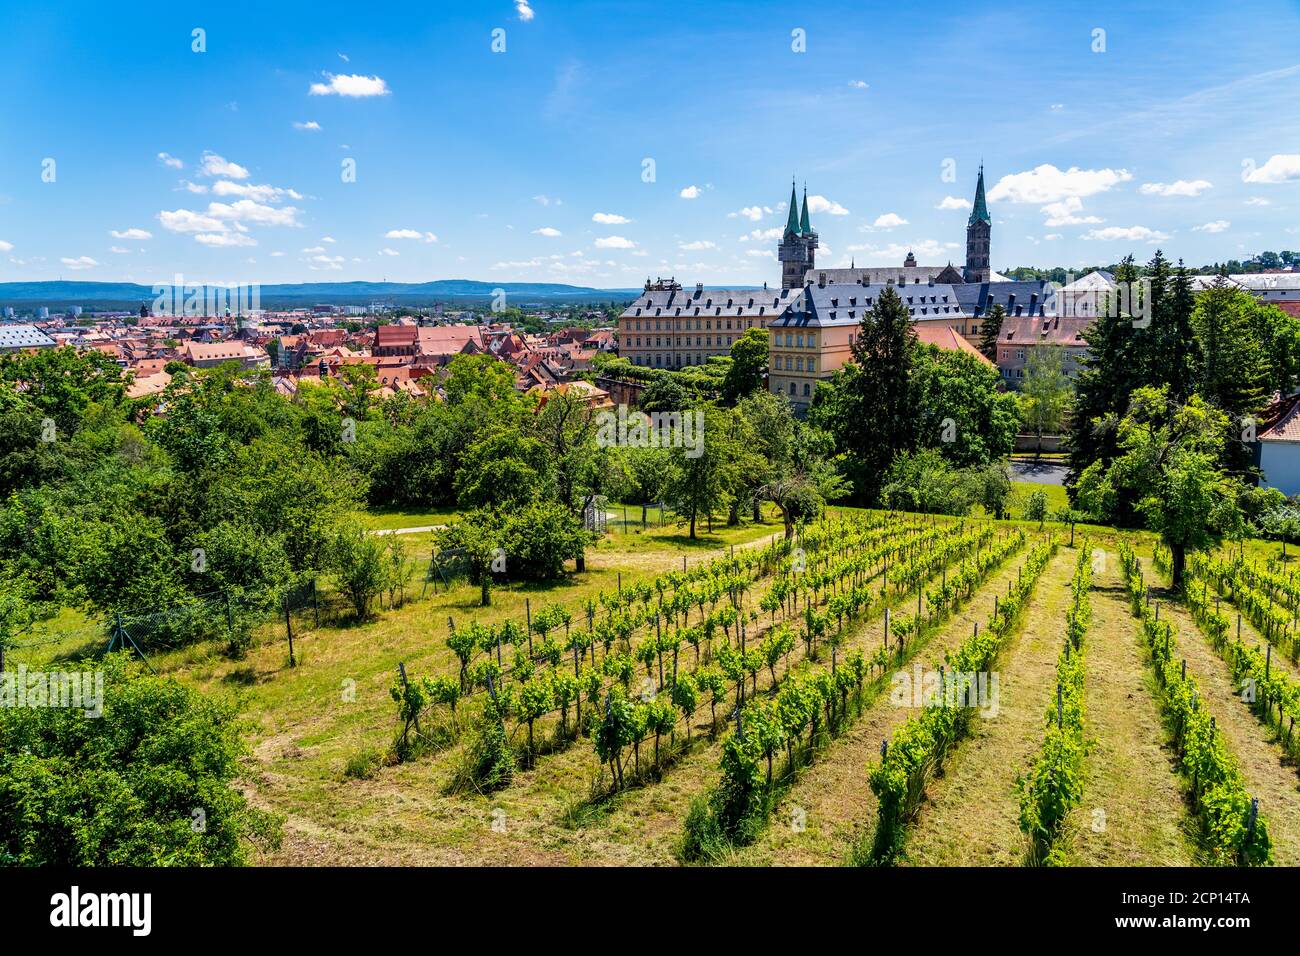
(1021, 490)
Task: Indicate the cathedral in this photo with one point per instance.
(797, 253)
(812, 319)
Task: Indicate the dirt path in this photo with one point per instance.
(1275, 784)
(1133, 811)
(972, 812)
(831, 803)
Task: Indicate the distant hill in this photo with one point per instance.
(445, 291)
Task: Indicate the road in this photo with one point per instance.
(1040, 473)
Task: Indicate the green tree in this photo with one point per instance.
(1045, 394)
(990, 331)
(870, 408)
(748, 362)
(1170, 464)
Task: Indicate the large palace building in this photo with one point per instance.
(813, 318)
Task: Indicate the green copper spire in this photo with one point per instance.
(980, 211)
(804, 228)
(792, 222)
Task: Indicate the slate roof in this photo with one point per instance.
(710, 303)
(24, 337)
(977, 298)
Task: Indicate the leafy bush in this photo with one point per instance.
(148, 783)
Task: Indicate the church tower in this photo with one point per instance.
(798, 244)
(978, 228)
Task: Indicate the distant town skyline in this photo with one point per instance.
(594, 145)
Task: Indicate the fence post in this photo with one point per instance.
(288, 629)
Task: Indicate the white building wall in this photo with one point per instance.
(1280, 462)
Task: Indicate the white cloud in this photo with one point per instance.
(1280, 168)
(762, 235)
(81, 262)
(276, 255)
(410, 234)
(351, 85)
(1130, 233)
(6, 246)
(549, 231)
(953, 202)
(167, 159)
(761, 254)
(889, 220)
(328, 239)
(610, 218)
(1258, 201)
(214, 165)
(1057, 107)
(186, 220)
(197, 188)
(752, 213)
(1047, 184)
(858, 84)
(311, 249)
(225, 239)
(1052, 236)
(1181, 187)
(245, 210)
(263, 193)
(1219, 225)
(118, 250)
(326, 262)
(1065, 213)
(820, 204)
(524, 10)
(690, 192)
(697, 245)
(309, 125)
(614, 242)
(389, 252)
(130, 234)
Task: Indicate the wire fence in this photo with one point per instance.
(231, 615)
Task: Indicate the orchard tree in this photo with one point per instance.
(1170, 464)
(1045, 394)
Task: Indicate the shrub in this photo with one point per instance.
(130, 787)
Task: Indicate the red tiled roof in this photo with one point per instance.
(947, 338)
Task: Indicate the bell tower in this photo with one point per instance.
(978, 229)
(797, 250)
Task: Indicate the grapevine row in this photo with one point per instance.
(1232, 831)
(1054, 785)
(815, 698)
(920, 745)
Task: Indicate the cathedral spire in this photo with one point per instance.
(792, 221)
(804, 228)
(979, 211)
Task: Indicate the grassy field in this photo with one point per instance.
(322, 732)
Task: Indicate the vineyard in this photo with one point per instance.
(879, 689)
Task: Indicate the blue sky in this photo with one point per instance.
(528, 164)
